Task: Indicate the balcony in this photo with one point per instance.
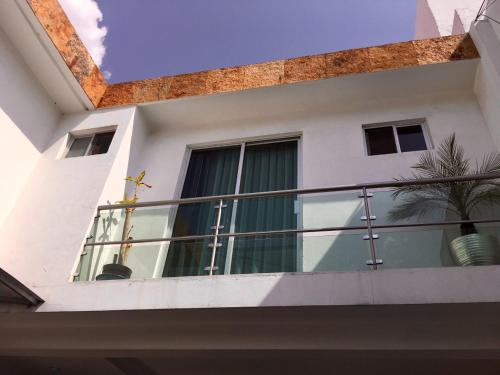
(344, 228)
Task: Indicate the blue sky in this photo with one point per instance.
(150, 38)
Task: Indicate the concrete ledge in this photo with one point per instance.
(383, 287)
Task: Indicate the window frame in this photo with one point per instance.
(74, 137)
(242, 143)
(422, 122)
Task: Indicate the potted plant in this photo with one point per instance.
(118, 270)
(460, 198)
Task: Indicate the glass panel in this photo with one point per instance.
(143, 223)
(438, 247)
(264, 254)
(191, 258)
(437, 203)
(210, 172)
(78, 147)
(390, 209)
(411, 138)
(267, 167)
(331, 251)
(326, 210)
(413, 248)
(101, 143)
(313, 252)
(145, 260)
(334, 251)
(380, 141)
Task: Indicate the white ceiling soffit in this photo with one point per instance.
(27, 35)
(311, 98)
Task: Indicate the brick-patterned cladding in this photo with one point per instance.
(70, 47)
(372, 59)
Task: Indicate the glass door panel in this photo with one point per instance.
(210, 172)
(267, 167)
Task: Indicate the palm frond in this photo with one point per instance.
(489, 164)
(486, 194)
(416, 205)
(460, 197)
(450, 158)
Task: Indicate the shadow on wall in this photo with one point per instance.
(23, 102)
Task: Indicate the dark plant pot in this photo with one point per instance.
(475, 250)
(114, 271)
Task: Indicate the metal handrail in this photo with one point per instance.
(331, 189)
(362, 187)
(370, 226)
(292, 231)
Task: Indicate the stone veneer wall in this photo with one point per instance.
(372, 59)
(70, 47)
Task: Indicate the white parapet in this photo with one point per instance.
(444, 17)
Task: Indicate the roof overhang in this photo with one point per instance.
(13, 291)
(303, 100)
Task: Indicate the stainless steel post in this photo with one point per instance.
(215, 244)
(373, 262)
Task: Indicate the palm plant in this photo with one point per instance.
(461, 198)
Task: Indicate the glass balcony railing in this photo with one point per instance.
(422, 223)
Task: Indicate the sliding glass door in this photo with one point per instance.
(245, 168)
(210, 172)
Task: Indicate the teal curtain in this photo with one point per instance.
(210, 172)
(267, 167)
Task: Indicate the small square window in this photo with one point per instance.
(380, 141)
(101, 143)
(411, 138)
(90, 145)
(391, 138)
(79, 147)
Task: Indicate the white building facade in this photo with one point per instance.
(446, 17)
(323, 292)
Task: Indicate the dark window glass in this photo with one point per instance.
(101, 142)
(411, 138)
(380, 141)
(79, 147)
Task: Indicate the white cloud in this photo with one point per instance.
(106, 74)
(85, 16)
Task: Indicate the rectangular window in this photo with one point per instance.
(380, 141)
(90, 145)
(411, 138)
(394, 137)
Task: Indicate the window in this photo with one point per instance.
(90, 145)
(394, 137)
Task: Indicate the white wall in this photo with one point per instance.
(28, 119)
(425, 23)
(46, 229)
(487, 85)
(333, 151)
(447, 16)
(494, 12)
